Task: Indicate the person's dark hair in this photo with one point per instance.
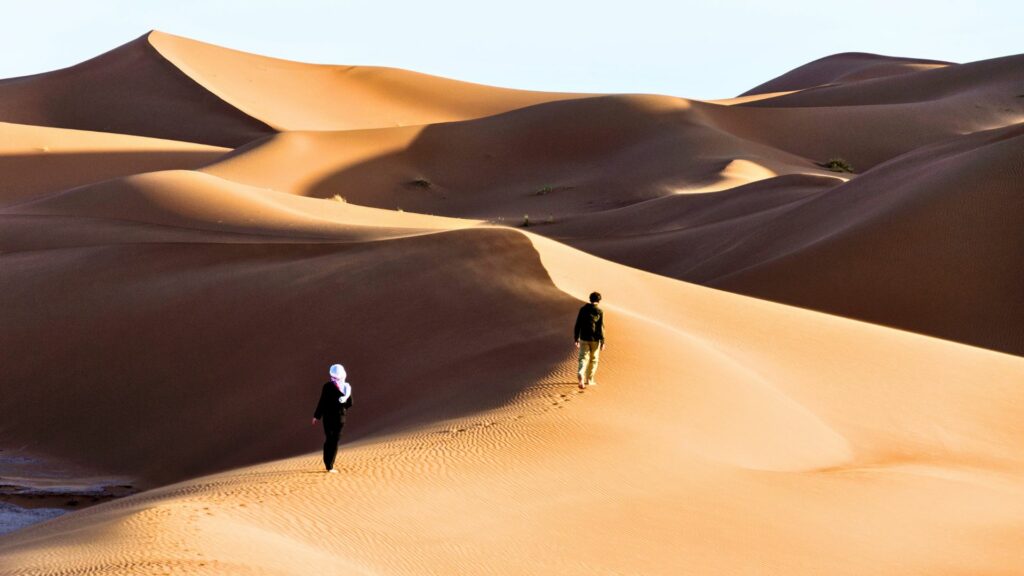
(595, 297)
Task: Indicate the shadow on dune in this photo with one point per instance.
(171, 360)
(28, 176)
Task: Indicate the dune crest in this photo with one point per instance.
(842, 69)
(298, 96)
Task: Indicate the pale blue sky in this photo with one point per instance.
(695, 49)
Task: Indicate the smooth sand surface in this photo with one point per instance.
(848, 67)
(172, 324)
(36, 160)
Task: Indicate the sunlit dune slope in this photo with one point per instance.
(298, 96)
(844, 68)
(798, 442)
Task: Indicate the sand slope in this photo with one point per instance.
(843, 68)
(799, 442)
(37, 160)
(172, 324)
(298, 96)
(875, 120)
(131, 89)
(551, 159)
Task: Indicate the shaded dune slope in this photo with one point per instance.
(902, 245)
(210, 322)
(869, 122)
(843, 68)
(931, 242)
(38, 160)
(131, 89)
(554, 158)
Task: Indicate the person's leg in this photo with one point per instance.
(331, 434)
(584, 359)
(595, 356)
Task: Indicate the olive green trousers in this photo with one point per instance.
(590, 354)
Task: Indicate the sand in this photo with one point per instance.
(173, 314)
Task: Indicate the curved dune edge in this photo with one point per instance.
(202, 202)
(821, 444)
(291, 95)
(132, 89)
(842, 68)
(554, 159)
(39, 160)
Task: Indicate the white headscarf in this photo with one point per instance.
(338, 377)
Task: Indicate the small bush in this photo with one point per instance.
(544, 190)
(421, 183)
(526, 220)
(837, 165)
(339, 198)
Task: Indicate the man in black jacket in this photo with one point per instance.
(335, 398)
(589, 337)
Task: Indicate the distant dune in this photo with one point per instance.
(807, 372)
(846, 68)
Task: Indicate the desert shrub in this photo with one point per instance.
(837, 165)
(544, 190)
(526, 221)
(421, 183)
(339, 198)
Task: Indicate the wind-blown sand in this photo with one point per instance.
(172, 325)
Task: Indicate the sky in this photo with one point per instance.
(704, 49)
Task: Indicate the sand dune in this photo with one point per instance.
(131, 89)
(297, 96)
(844, 68)
(170, 307)
(713, 429)
(36, 160)
(872, 121)
(551, 159)
(928, 242)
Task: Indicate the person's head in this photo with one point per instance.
(595, 297)
(338, 373)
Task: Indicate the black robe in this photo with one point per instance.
(329, 409)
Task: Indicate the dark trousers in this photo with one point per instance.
(332, 432)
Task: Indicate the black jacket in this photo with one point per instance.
(589, 324)
(328, 408)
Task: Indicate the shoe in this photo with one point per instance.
(592, 383)
(332, 471)
(580, 380)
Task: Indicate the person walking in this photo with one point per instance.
(335, 399)
(589, 338)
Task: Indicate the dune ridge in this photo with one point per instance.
(844, 68)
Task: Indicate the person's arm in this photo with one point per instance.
(348, 403)
(319, 408)
(600, 328)
(579, 326)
